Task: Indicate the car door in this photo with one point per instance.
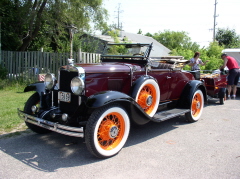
(164, 79)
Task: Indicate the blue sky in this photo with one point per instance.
(192, 16)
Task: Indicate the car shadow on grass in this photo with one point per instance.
(52, 151)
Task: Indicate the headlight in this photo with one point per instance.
(49, 81)
(77, 85)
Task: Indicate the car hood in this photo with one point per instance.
(108, 67)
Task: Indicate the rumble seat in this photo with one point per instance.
(161, 66)
(171, 62)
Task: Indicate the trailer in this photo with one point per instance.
(215, 83)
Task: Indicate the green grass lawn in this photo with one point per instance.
(12, 98)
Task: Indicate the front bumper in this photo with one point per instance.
(62, 129)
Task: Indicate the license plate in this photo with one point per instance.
(64, 96)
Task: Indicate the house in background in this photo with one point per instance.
(98, 42)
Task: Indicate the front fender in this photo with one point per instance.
(135, 112)
(105, 97)
(38, 87)
(188, 92)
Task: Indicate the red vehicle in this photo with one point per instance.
(216, 84)
(100, 101)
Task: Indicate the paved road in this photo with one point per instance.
(209, 148)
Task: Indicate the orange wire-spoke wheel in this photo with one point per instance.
(111, 131)
(197, 104)
(147, 98)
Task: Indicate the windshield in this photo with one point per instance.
(127, 50)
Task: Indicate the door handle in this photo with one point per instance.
(168, 77)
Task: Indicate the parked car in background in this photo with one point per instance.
(101, 101)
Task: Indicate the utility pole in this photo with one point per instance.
(215, 24)
(118, 17)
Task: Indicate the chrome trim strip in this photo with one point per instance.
(131, 72)
(165, 103)
(62, 129)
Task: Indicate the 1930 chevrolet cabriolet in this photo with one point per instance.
(100, 101)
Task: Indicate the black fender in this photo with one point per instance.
(38, 87)
(136, 85)
(222, 92)
(45, 97)
(135, 112)
(188, 92)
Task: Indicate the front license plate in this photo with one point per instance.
(64, 96)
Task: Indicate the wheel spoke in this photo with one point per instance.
(110, 122)
(146, 92)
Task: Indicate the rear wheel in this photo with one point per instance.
(222, 100)
(107, 131)
(196, 107)
(148, 96)
(34, 100)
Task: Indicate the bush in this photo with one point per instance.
(212, 54)
(15, 85)
(3, 73)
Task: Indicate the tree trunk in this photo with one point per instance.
(34, 28)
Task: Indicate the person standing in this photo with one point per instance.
(233, 76)
(196, 61)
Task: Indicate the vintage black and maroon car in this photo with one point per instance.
(100, 101)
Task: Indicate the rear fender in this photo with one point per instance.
(188, 92)
(137, 84)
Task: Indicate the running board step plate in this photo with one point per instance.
(165, 115)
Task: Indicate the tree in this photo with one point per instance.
(175, 40)
(228, 38)
(139, 31)
(212, 54)
(148, 34)
(40, 22)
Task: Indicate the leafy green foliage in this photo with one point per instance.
(117, 49)
(210, 54)
(3, 72)
(227, 38)
(180, 45)
(148, 34)
(175, 40)
(31, 25)
(139, 31)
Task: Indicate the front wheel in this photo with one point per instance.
(34, 100)
(196, 107)
(107, 131)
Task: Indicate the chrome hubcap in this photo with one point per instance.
(113, 132)
(198, 105)
(149, 100)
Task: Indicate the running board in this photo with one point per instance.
(165, 115)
